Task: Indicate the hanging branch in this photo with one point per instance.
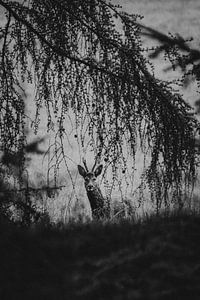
(79, 62)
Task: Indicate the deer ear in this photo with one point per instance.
(82, 171)
(98, 170)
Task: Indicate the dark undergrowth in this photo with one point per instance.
(158, 258)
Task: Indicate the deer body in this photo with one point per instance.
(95, 197)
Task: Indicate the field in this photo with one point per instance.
(155, 259)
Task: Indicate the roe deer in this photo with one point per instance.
(95, 197)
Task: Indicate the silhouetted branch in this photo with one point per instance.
(170, 42)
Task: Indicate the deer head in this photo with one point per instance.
(90, 177)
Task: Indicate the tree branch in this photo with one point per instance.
(90, 64)
(52, 47)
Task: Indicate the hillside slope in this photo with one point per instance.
(156, 259)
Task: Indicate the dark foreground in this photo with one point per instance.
(157, 259)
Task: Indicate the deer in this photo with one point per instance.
(95, 197)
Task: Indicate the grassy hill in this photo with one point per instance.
(158, 258)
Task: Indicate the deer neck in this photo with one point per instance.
(96, 198)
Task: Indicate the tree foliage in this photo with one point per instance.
(84, 57)
(178, 51)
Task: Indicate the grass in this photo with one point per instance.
(158, 258)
